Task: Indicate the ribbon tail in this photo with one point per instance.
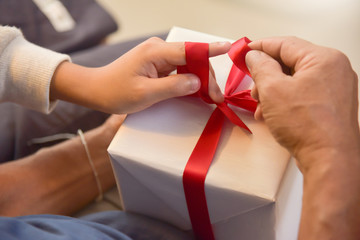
(195, 173)
(229, 113)
(242, 99)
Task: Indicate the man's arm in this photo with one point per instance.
(331, 198)
(313, 112)
(58, 179)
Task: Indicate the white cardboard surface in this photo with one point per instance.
(242, 187)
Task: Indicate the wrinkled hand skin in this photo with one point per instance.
(314, 108)
(308, 97)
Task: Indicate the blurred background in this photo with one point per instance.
(333, 23)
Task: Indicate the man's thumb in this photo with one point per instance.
(263, 67)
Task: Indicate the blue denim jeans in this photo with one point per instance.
(138, 227)
(100, 226)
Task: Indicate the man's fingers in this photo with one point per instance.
(254, 93)
(289, 50)
(263, 68)
(258, 115)
(266, 73)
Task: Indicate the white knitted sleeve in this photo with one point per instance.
(26, 71)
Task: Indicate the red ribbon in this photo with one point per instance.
(197, 60)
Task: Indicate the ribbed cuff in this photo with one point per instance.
(31, 69)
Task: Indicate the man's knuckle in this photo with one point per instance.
(336, 60)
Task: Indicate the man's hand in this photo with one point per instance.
(308, 99)
(307, 94)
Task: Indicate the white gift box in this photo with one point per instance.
(244, 190)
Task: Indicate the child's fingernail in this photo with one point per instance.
(194, 82)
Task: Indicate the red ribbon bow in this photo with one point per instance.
(197, 59)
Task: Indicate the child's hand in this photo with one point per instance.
(134, 81)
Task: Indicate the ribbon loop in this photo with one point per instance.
(229, 113)
(238, 52)
(197, 62)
